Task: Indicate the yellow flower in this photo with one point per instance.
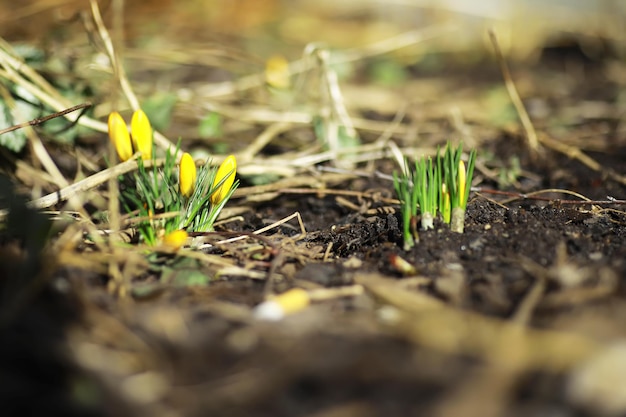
(118, 132)
(142, 134)
(175, 240)
(187, 175)
(226, 173)
(277, 72)
(277, 307)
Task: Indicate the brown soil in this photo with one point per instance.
(340, 356)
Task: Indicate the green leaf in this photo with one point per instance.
(388, 73)
(29, 53)
(184, 272)
(210, 126)
(15, 112)
(159, 109)
(347, 141)
(187, 278)
(219, 148)
(498, 106)
(147, 291)
(319, 129)
(263, 179)
(15, 140)
(184, 277)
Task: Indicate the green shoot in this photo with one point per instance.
(434, 185)
(455, 177)
(407, 196)
(426, 187)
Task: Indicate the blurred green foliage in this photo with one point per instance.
(159, 109)
(210, 126)
(18, 105)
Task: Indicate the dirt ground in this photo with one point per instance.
(521, 315)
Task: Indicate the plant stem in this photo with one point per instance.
(427, 221)
(457, 222)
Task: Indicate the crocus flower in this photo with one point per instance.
(277, 72)
(142, 134)
(176, 239)
(187, 175)
(226, 175)
(118, 132)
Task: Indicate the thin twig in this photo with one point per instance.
(534, 196)
(350, 193)
(41, 120)
(272, 226)
(159, 139)
(118, 283)
(39, 150)
(89, 183)
(531, 134)
(262, 140)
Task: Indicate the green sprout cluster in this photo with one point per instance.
(439, 184)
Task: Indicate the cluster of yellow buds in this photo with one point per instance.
(222, 184)
(140, 132)
(197, 210)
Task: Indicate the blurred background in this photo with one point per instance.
(524, 25)
(202, 68)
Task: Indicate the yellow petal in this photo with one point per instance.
(142, 134)
(462, 181)
(187, 175)
(118, 132)
(176, 239)
(225, 172)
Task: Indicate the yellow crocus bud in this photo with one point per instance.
(118, 132)
(462, 180)
(277, 307)
(175, 240)
(187, 175)
(277, 72)
(445, 209)
(142, 134)
(226, 173)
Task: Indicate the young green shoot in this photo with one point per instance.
(458, 181)
(408, 199)
(426, 187)
(440, 184)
